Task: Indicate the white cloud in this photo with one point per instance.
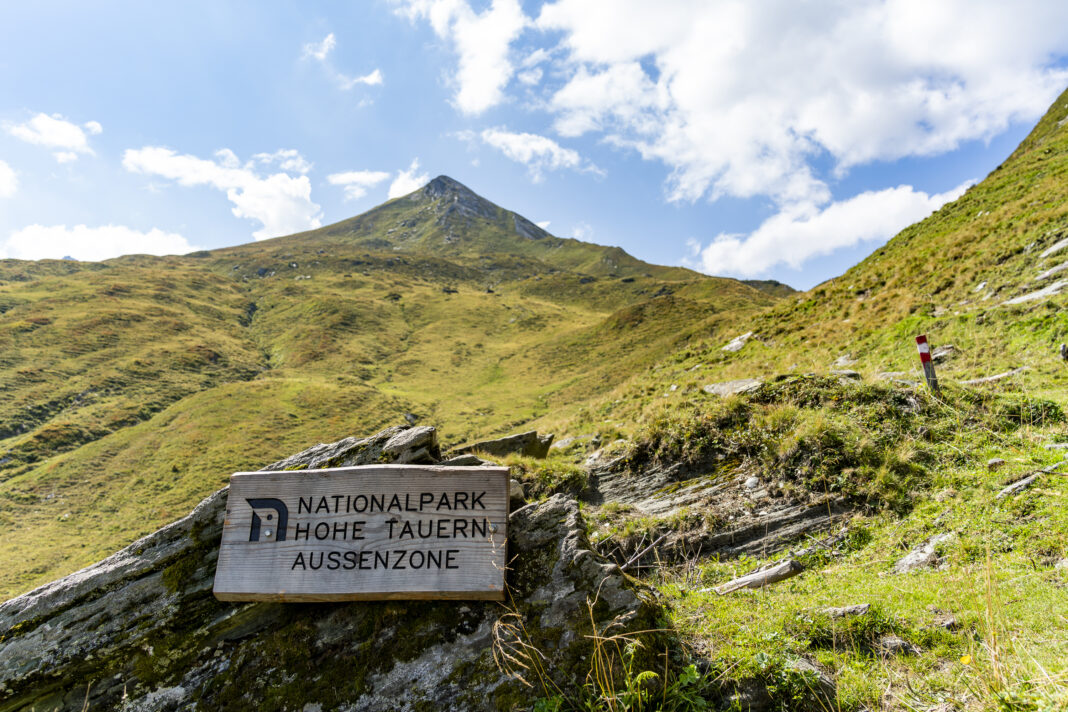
(538, 153)
(799, 232)
(582, 231)
(372, 79)
(530, 77)
(81, 242)
(288, 159)
(482, 42)
(544, 224)
(9, 181)
(357, 183)
(739, 98)
(320, 52)
(56, 132)
(408, 181)
(280, 202)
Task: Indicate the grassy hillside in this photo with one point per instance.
(983, 629)
(133, 387)
(953, 276)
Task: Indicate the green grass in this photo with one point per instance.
(1015, 594)
(134, 387)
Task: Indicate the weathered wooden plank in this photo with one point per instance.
(377, 532)
(760, 579)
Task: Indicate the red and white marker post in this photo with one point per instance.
(925, 359)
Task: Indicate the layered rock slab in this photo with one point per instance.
(142, 631)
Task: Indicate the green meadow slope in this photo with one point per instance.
(133, 387)
(841, 418)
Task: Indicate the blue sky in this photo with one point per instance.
(776, 140)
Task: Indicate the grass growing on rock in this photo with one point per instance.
(543, 478)
(917, 464)
(870, 443)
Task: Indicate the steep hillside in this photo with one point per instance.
(986, 275)
(133, 387)
(927, 531)
(912, 545)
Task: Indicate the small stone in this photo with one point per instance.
(752, 483)
(562, 444)
(729, 388)
(844, 360)
(465, 461)
(923, 556)
(847, 611)
(1061, 564)
(824, 690)
(893, 645)
(529, 443)
(995, 464)
(1056, 446)
(846, 374)
(943, 619)
(943, 353)
(517, 495)
(605, 457)
(738, 342)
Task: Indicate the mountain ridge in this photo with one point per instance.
(156, 375)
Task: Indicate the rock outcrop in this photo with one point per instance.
(529, 443)
(141, 630)
(923, 556)
(753, 520)
(730, 388)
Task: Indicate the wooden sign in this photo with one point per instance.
(365, 533)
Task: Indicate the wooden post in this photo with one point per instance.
(928, 365)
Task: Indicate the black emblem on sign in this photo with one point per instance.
(280, 526)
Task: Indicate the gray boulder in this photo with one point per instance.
(893, 645)
(923, 556)
(141, 630)
(529, 443)
(943, 353)
(858, 609)
(465, 460)
(396, 444)
(738, 342)
(730, 388)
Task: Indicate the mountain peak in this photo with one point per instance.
(453, 197)
(444, 185)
